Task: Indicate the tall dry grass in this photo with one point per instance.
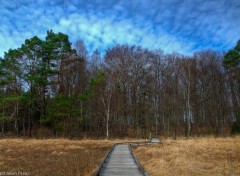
(53, 157)
(192, 157)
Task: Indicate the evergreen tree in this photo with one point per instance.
(231, 63)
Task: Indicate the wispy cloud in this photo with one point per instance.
(182, 26)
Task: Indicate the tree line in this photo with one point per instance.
(53, 88)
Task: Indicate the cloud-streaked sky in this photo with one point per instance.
(183, 26)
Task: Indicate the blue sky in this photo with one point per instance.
(182, 26)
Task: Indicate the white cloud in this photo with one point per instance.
(104, 32)
(176, 25)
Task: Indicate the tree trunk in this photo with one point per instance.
(164, 125)
(107, 127)
(106, 100)
(2, 128)
(30, 123)
(16, 119)
(188, 108)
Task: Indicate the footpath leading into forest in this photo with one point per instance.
(120, 160)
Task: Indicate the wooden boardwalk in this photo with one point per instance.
(121, 161)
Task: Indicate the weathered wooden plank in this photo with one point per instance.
(155, 140)
(120, 162)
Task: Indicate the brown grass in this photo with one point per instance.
(197, 157)
(52, 157)
(55, 157)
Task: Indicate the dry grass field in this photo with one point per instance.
(52, 157)
(58, 157)
(192, 157)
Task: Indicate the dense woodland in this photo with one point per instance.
(52, 88)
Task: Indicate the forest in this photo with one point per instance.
(52, 88)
